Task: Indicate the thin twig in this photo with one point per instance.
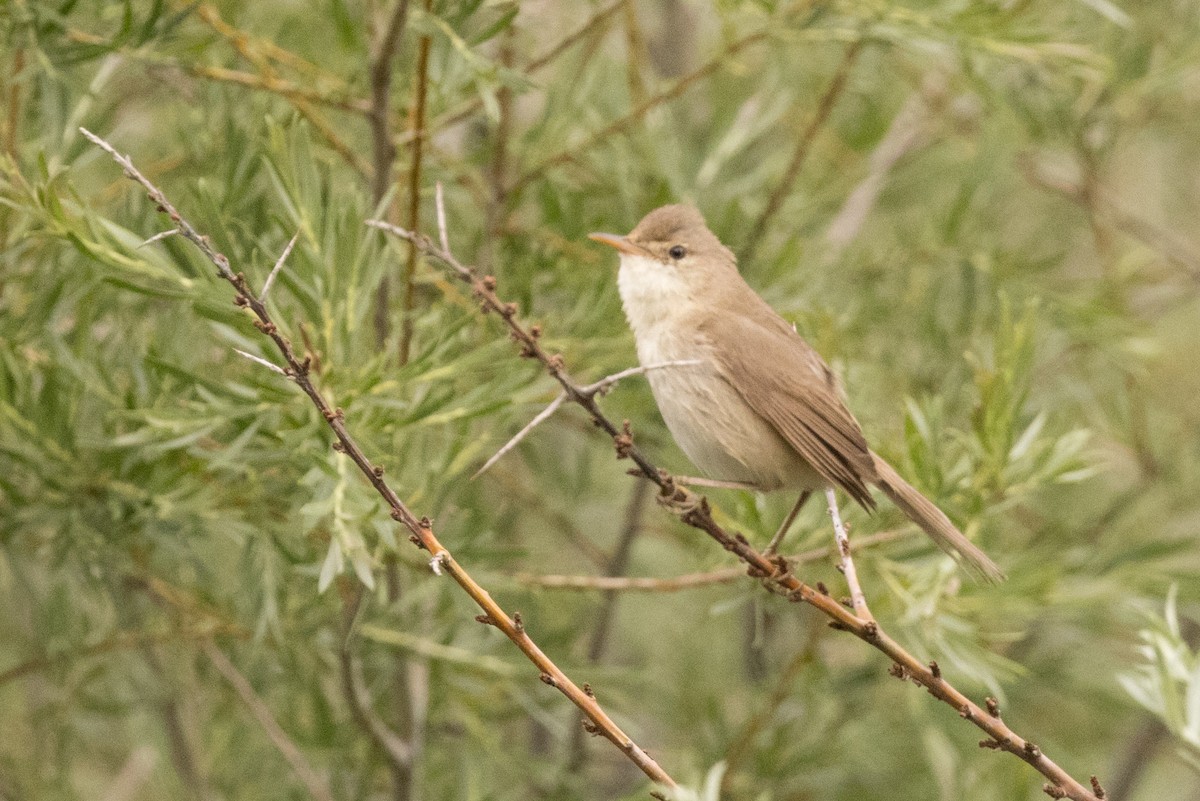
(537, 420)
(713, 483)
(572, 152)
(317, 787)
(845, 561)
(408, 298)
(259, 360)
(782, 531)
(803, 146)
(421, 528)
(693, 581)
(158, 237)
(695, 512)
(381, 95)
(278, 266)
(601, 387)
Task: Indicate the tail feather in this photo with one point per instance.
(934, 522)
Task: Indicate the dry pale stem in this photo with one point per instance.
(694, 511)
(858, 600)
(421, 529)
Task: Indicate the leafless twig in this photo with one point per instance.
(421, 529)
(278, 266)
(845, 561)
(537, 420)
(694, 511)
(803, 146)
(158, 237)
(317, 787)
(601, 387)
(259, 360)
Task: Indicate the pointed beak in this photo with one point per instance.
(619, 242)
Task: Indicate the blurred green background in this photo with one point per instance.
(982, 214)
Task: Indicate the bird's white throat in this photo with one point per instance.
(653, 294)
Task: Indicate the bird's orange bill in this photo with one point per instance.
(619, 242)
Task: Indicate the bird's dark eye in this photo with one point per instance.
(677, 252)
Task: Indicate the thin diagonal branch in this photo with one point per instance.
(803, 146)
(318, 788)
(775, 574)
(421, 528)
(601, 387)
(639, 111)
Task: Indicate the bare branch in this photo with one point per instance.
(694, 511)
(782, 531)
(421, 529)
(537, 420)
(440, 204)
(845, 562)
(278, 266)
(258, 359)
(157, 237)
(317, 787)
(800, 154)
(601, 387)
(639, 111)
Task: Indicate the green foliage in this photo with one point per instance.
(1013, 314)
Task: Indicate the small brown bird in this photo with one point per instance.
(760, 407)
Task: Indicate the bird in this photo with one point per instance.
(750, 402)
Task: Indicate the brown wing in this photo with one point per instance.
(788, 383)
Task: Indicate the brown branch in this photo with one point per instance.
(803, 146)
(692, 581)
(318, 788)
(421, 529)
(572, 152)
(417, 128)
(383, 148)
(775, 574)
(384, 151)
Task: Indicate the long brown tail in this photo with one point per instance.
(934, 522)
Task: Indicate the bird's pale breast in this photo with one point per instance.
(707, 417)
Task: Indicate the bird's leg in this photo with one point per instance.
(846, 564)
(696, 481)
(777, 540)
